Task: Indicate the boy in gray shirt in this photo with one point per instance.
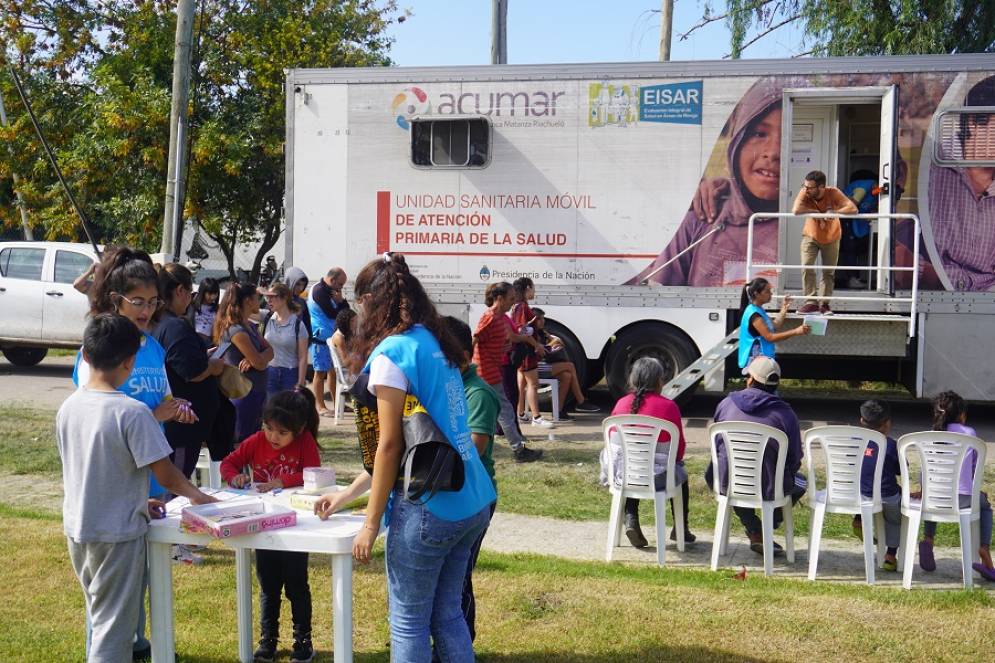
(108, 442)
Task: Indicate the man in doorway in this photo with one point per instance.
(820, 237)
(324, 304)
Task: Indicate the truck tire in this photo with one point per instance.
(654, 339)
(574, 349)
(23, 357)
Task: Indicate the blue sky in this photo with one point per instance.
(457, 32)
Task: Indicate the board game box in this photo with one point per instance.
(248, 515)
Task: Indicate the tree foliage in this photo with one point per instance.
(862, 27)
(99, 74)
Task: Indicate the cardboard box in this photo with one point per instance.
(236, 518)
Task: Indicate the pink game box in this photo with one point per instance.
(236, 517)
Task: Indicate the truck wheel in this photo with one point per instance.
(574, 349)
(24, 356)
(674, 350)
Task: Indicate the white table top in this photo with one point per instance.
(311, 534)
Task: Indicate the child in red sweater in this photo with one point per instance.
(277, 456)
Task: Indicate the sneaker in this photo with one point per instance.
(758, 548)
(541, 423)
(986, 573)
(856, 284)
(183, 555)
(825, 310)
(809, 308)
(266, 651)
(525, 417)
(526, 455)
(586, 406)
(563, 416)
(635, 537)
(303, 651)
(927, 562)
(890, 565)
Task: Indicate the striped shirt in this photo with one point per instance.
(492, 345)
(963, 228)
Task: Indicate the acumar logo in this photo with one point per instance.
(407, 103)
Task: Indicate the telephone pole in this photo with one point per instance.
(28, 235)
(666, 29)
(499, 31)
(175, 168)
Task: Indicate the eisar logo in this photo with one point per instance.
(409, 102)
(674, 103)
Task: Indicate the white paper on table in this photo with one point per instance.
(818, 323)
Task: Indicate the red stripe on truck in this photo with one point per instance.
(383, 221)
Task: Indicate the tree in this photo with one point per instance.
(104, 104)
(862, 27)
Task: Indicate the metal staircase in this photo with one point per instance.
(715, 358)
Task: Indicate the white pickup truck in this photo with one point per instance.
(39, 308)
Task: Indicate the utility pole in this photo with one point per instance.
(175, 168)
(28, 235)
(499, 31)
(666, 29)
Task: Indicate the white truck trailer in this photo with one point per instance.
(639, 197)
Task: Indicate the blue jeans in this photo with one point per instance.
(427, 559)
(279, 378)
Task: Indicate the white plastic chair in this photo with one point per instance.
(843, 448)
(638, 435)
(745, 443)
(553, 385)
(212, 468)
(941, 455)
(341, 384)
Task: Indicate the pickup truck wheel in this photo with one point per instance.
(25, 356)
(675, 351)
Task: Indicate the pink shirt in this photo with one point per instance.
(655, 405)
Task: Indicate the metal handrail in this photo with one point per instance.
(913, 300)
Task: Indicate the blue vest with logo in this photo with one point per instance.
(747, 341)
(439, 387)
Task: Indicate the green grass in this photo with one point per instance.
(531, 608)
(27, 442)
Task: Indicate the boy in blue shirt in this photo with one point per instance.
(877, 416)
(108, 442)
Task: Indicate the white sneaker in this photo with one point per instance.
(542, 423)
(524, 418)
(183, 555)
(856, 284)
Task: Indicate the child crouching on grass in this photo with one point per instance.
(108, 442)
(277, 456)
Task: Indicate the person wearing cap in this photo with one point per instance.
(760, 403)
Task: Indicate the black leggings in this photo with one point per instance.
(279, 571)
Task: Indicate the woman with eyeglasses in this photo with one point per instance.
(240, 344)
(285, 331)
(125, 282)
(757, 331)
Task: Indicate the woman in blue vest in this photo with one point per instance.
(411, 355)
(757, 331)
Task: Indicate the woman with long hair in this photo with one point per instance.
(192, 375)
(413, 362)
(205, 307)
(950, 414)
(757, 331)
(646, 379)
(240, 345)
(284, 330)
(528, 373)
(558, 365)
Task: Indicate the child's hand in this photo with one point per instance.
(157, 509)
(269, 485)
(184, 412)
(240, 481)
(167, 410)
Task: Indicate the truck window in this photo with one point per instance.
(459, 143)
(22, 263)
(965, 137)
(69, 265)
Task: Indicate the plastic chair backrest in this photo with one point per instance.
(638, 435)
(844, 448)
(745, 443)
(340, 378)
(941, 456)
